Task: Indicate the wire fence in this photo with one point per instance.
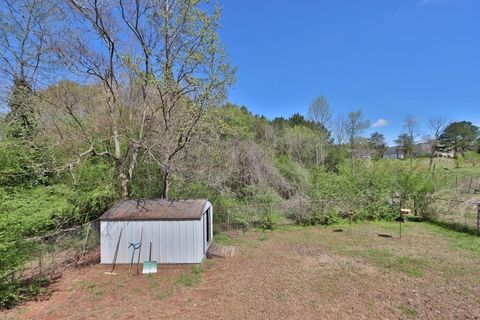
(459, 211)
(53, 252)
(80, 245)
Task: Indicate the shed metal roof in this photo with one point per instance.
(156, 209)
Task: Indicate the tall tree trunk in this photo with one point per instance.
(165, 182)
(123, 184)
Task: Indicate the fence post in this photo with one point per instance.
(478, 217)
(86, 240)
(470, 185)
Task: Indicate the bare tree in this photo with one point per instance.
(160, 64)
(320, 113)
(194, 75)
(24, 28)
(436, 125)
(339, 130)
(410, 123)
(355, 125)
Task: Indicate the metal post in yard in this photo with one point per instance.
(470, 185)
(228, 217)
(350, 216)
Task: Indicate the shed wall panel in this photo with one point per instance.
(172, 241)
(182, 241)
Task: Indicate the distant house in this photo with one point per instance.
(445, 153)
(393, 153)
(420, 149)
(362, 154)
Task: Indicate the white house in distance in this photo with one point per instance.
(180, 231)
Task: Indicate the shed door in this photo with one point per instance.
(208, 225)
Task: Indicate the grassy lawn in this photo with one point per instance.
(294, 272)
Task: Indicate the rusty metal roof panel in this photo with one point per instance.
(156, 209)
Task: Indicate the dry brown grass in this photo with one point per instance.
(292, 273)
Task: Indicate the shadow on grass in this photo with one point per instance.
(383, 235)
(451, 225)
(456, 226)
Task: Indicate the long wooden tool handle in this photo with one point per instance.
(116, 250)
(140, 251)
(150, 254)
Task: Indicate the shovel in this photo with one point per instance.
(149, 266)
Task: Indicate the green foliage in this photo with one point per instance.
(297, 120)
(95, 189)
(378, 144)
(405, 143)
(472, 158)
(25, 213)
(34, 206)
(292, 171)
(264, 216)
(21, 164)
(460, 136)
(21, 118)
(335, 156)
(375, 190)
(12, 293)
(190, 279)
(232, 121)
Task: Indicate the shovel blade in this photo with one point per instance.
(149, 267)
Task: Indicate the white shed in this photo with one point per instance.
(180, 231)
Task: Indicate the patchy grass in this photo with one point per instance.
(456, 239)
(227, 240)
(197, 270)
(167, 293)
(387, 260)
(408, 311)
(263, 237)
(293, 272)
(190, 278)
(96, 290)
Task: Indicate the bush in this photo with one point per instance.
(30, 210)
(373, 190)
(23, 165)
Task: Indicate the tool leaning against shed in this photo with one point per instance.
(150, 266)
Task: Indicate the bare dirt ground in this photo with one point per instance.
(291, 273)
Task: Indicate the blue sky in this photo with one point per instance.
(389, 58)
